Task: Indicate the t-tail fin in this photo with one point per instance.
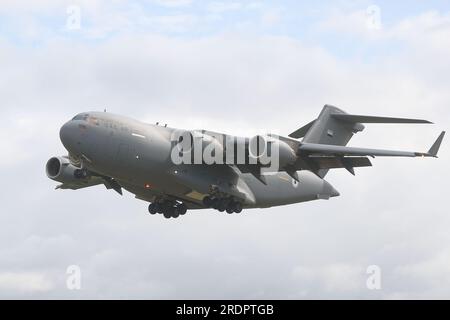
(328, 129)
(335, 127)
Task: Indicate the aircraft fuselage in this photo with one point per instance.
(138, 156)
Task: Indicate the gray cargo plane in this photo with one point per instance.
(170, 168)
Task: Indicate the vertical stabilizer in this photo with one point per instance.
(332, 131)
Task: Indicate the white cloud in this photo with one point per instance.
(220, 7)
(333, 279)
(357, 22)
(25, 282)
(431, 275)
(430, 27)
(392, 215)
(271, 17)
(173, 3)
(172, 23)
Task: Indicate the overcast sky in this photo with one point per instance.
(242, 67)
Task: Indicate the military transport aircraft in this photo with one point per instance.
(176, 170)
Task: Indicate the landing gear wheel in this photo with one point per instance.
(170, 210)
(222, 205)
(237, 207)
(182, 209)
(167, 215)
(207, 201)
(230, 210)
(153, 208)
(215, 204)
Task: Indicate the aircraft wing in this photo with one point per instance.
(323, 149)
(75, 185)
(92, 181)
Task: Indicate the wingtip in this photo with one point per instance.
(418, 121)
(436, 145)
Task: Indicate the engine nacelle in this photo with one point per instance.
(272, 152)
(196, 147)
(60, 169)
(208, 147)
(286, 154)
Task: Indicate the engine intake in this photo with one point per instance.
(60, 169)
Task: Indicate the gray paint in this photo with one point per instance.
(127, 153)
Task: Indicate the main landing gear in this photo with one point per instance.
(169, 209)
(223, 204)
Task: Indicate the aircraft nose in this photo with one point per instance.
(67, 134)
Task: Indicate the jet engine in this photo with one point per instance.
(197, 147)
(266, 151)
(272, 152)
(286, 154)
(60, 169)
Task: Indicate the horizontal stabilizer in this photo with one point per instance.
(300, 133)
(370, 119)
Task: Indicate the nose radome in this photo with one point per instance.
(67, 134)
(63, 133)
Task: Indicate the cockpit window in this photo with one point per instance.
(81, 116)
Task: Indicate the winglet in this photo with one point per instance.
(436, 145)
